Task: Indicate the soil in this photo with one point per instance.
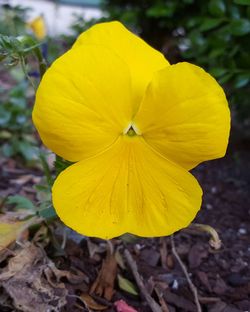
(222, 277)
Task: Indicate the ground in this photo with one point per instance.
(68, 269)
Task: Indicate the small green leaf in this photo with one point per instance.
(47, 211)
(242, 80)
(217, 7)
(28, 151)
(5, 116)
(225, 78)
(240, 27)
(210, 23)
(5, 134)
(21, 202)
(7, 150)
(218, 72)
(127, 286)
(161, 10)
(242, 2)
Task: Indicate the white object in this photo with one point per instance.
(58, 17)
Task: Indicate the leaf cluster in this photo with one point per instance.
(213, 34)
(15, 125)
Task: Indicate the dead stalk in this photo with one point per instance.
(184, 269)
(133, 266)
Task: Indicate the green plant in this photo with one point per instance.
(213, 34)
(12, 19)
(15, 125)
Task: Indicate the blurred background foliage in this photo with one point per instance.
(213, 34)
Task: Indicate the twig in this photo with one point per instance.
(184, 269)
(159, 293)
(79, 298)
(214, 241)
(163, 252)
(133, 266)
(64, 241)
(110, 247)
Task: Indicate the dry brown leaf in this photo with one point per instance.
(77, 278)
(24, 280)
(104, 283)
(11, 229)
(91, 303)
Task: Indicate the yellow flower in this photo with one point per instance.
(134, 125)
(38, 27)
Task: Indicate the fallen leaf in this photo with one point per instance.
(204, 280)
(150, 256)
(24, 280)
(94, 248)
(119, 260)
(11, 229)
(9, 233)
(91, 303)
(126, 285)
(197, 253)
(179, 301)
(222, 307)
(122, 306)
(104, 283)
(220, 287)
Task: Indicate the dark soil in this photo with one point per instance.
(222, 277)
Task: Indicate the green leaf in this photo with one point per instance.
(242, 2)
(61, 164)
(28, 151)
(127, 286)
(218, 72)
(7, 150)
(240, 27)
(161, 10)
(217, 7)
(21, 202)
(210, 23)
(225, 78)
(5, 116)
(242, 80)
(47, 211)
(5, 134)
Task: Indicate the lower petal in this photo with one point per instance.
(127, 189)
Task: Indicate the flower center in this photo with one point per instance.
(131, 132)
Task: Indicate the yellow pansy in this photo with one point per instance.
(38, 27)
(134, 125)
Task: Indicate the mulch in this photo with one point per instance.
(222, 277)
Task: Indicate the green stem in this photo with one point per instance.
(23, 65)
(36, 50)
(46, 170)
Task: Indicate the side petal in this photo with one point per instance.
(83, 103)
(128, 188)
(185, 116)
(142, 59)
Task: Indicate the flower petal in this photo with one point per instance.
(84, 102)
(185, 116)
(128, 188)
(142, 59)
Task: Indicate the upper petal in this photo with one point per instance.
(128, 188)
(184, 115)
(142, 59)
(84, 102)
